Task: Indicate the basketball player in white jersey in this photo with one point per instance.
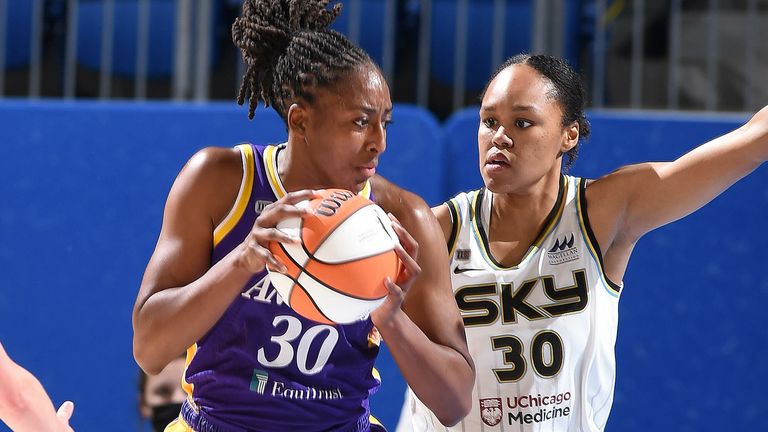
(538, 257)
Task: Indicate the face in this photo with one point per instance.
(164, 388)
(521, 137)
(343, 132)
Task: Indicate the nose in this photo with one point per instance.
(501, 139)
(377, 138)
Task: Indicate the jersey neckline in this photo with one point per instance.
(483, 203)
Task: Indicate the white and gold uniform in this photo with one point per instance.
(541, 333)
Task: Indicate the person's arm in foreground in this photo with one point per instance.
(426, 336)
(182, 296)
(630, 202)
(24, 404)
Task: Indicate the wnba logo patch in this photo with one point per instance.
(261, 205)
(563, 250)
(490, 411)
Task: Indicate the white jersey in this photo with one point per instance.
(541, 333)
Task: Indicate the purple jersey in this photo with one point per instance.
(263, 367)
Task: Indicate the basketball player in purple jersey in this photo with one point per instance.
(252, 363)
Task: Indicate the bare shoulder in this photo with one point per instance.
(216, 166)
(399, 201)
(444, 218)
(212, 177)
(406, 206)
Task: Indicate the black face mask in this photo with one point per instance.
(164, 414)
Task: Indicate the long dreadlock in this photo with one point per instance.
(289, 51)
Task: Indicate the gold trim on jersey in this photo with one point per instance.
(374, 420)
(476, 215)
(188, 387)
(270, 167)
(243, 196)
(594, 248)
(453, 209)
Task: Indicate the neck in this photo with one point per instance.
(297, 171)
(526, 210)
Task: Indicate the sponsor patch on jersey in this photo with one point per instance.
(259, 381)
(490, 411)
(563, 250)
(462, 254)
(261, 205)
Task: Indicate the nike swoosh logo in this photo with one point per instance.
(459, 270)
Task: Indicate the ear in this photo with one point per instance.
(297, 120)
(571, 137)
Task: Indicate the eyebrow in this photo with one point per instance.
(515, 107)
(369, 110)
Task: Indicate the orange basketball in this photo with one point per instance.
(336, 275)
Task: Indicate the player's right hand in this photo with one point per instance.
(254, 251)
(64, 414)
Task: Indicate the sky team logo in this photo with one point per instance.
(490, 411)
(563, 250)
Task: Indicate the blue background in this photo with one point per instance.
(82, 186)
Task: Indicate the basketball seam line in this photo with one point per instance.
(308, 273)
(322, 240)
(320, 243)
(296, 282)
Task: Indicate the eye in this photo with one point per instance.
(164, 391)
(388, 123)
(490, 123)
(361, 123)
(522, 124)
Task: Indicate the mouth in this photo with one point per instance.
(368, 169)
(497, 160)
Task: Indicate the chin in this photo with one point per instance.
(353, 186)
(497, 186)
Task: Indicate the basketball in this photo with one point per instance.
(336, 274)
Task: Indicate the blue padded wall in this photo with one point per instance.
(415, 156)
(462, 165)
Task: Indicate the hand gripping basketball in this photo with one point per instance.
(408, 252)
(337, 272)
(255, 248)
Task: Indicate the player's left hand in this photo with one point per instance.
(408, 252)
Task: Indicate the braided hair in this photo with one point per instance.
(568, 92)
(289, 51)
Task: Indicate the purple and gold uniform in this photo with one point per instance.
(263, 367)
